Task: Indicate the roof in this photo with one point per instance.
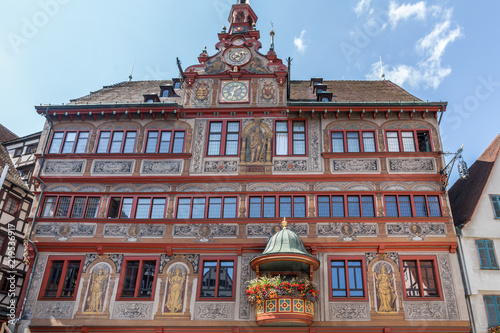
(465, 193)
(300, 90)
(6, 134)
(23, 138)
(12, 174)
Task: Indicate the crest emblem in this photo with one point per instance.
(268, 91)
(202, 91)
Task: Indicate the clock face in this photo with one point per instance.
(237, 56)
(234, 91)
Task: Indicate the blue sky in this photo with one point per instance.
(55, 50)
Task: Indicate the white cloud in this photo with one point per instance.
(405, 11)
(299, 42)
(362, 6)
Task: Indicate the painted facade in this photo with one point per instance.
(166, 191)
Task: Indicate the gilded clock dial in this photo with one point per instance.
(234, 91)
(237, 56)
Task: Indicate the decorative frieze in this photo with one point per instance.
(64, 167)
(204, 232)
(199, 135)
(246, 274)
(347, 231)
(130, 310)
(133, 231)
(424, 165)
(355, 165)
(349, 311)
(424, 310)
(220, 166)
(214, 311)
(448, 285)
(266, 230)
(193, 259)
(64, 231)
(113, 167)
(54, 310)
(290, 165)
(161, 167)
(416, 231)
(315, 163)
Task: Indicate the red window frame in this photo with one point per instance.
(437, 279)
(172, 139)
(290, 132)
(412, 204)
(141, 260)
(218, 259)
(346, 204)
(360, 140)
(363, 272)
(7, 207)
(111, 134)
(63, 141)
(207, 206)
(70, 207)
(277, 203)
(133, 209)
(48, 268)
(223, 140)
(415, 140)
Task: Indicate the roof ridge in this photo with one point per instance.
(490, 154)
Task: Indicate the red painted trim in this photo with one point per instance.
(48, 268)
(277, 203)
(290, 136)
(234, 259)
(206, 210)
(111, 134)
(415, 140)
(65, 134)
(160, 132)
(223, 140)
(436, 275)
(71, 203)
(141, 259)
(360, 141)
(345, 203)
(412, 196)
(110, 156)
(363, 272)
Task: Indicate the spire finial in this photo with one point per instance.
(272, 36)
(284, 223)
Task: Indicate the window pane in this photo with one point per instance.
(323, 206)
(114, 207)
(214, 208)
(404, 206)
(232, 139)
(208, 280)
(269, 207)
(83, 138)
(129, 146)
(104, 137)
(299, 206)
(495, 201)
(255, 207)
(55, 146)
(493, 310)
(69, 283)
(184, 208)
(391, 206)
(423, 141)
(54, 278)
(130, 279)
(411, 278)
(367, 205)
(229, 208)
(143, 205)
(392, 141)
(299, 138)
(147, 279)
(178, 143)
(92, 207)
(369, 142)
(281, 138)
(353, 206)
(339, 288)
(166, 137)
(116, 143)
(420, 208)
(63, 206)
(126, 208)
(152, 142)
(428, 278)
(78, 207)
(49, 207)
(214, 138)
(285, 206)
(198, 208)
(434, 207)
(353, 142)
(408, 141)
(355, 278)
(226, 279)
(337, 142)
(337, 206)
(158, 210)
(69, 142)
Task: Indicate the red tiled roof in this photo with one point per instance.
(465, 193)
(6, 134)
(12, 174)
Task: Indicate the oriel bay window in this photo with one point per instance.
(223, 138)
(290, 137)
(69, 142)
(165, 142)
(420, 277)
(217, 279)
(266, 207)
(138, 278)
(408, 140)
(206, 207)
(347, 278)
(116, 142)
(137, 207)
(346, 206)
(353, 141)
(70, 206)
(412, 205)
(61, 278)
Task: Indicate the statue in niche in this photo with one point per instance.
(385, 291)
(257, 144)
(96, 291)
(175, 291)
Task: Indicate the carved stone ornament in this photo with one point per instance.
(57, 310)
(416, 231)
(349, 311)
(290, 165)
(130, 310)
(161, 167)
(448, 285)
(193, 259)
(220, 167)
(425, 165)
(112, 167)
(364, 165)
(204, 232)
(347, 231)
(64, 231)
(266, 230)
(198, 146)
(134, 231)
(424, 310)
(214, 311)
(246, 274)
(315, 161)
(267, 92)
(64, 167)
(201, 95)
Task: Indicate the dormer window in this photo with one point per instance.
(167, 91)
(319, 87)
(316, 80)
(324, 96)
(151, 98)
(177, 83)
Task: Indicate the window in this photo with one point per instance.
(288, 206)
(18, 152)
(346, 205)
(217, 279)
(31, 149)
(3, 242)
(290, 137)
(138, 278)
(412, 205)
(492, 310)
(61, 278)
(67, 206)
(7, 282)
(408, 141)
(71, 142)
(495, 201)
(196, 208)
(347, 276)
(11, 205)
(139, 208)
(420, 278)
(486, 252)
(116, 142)
(353, 141)
(165, 142)
(223, 138)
